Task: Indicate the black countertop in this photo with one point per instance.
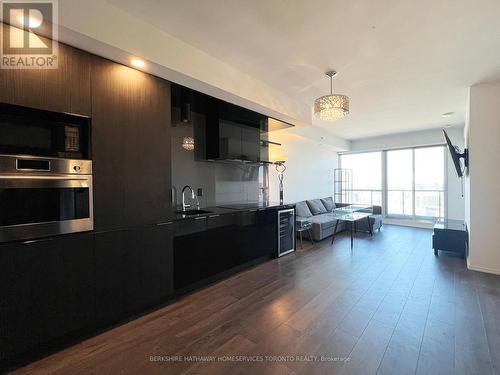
(231, 208)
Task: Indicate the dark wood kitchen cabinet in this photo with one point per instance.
(233, 142)
(229, 141)
(46, 289)
(257, 234)
(134, 269)
(267, 240)
(60, 288)
(65, 89)
(203, 247)
(191, 262)
(250, 143)
(131, 146)
(221, 240)
(209, 247)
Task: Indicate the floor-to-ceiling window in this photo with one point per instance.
(429, 181)
(399, 182)
(408, 183)
(416, 182)
(366, 176)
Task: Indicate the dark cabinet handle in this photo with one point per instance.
(37, 240)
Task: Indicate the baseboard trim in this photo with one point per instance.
(482, 269)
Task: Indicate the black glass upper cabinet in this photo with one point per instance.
(222, 131)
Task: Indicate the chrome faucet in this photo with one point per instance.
(193, 196)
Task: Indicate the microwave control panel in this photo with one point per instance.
(72, 138)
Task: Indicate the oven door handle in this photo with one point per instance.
(36, 182)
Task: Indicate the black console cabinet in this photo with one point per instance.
(450, 235)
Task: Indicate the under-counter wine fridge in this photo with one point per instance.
(286, 231)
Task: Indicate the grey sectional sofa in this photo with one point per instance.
(323, 225)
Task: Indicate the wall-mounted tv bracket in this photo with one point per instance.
(463, 155)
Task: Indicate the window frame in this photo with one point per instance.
(413, 191)
(381, 190)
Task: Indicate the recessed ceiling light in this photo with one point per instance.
(447, 114)
(138, 63)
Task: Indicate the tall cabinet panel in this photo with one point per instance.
(133, 269)
(65, 89)
(47, 291)
(131, 146)
(108, 147)
(148, 178)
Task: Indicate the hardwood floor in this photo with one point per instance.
(389, 307)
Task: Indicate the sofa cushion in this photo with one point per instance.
(375, 222)
(328, 203)
(323, 226)
(316, 207)
(326, 221)
(302, 209)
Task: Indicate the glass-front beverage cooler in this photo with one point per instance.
(286, 231)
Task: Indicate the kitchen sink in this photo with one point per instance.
(193, 212)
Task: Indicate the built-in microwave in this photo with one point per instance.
(29, 131)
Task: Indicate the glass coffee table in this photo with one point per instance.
(354, 208)
(351, 216)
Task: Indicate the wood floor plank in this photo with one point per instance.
(437, 351)
(401, 355)
(472, 354)
(368, 352)
(489, 300)
(388, 307)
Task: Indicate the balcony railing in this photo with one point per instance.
(367, 196)
(400, 202)
(424, 204)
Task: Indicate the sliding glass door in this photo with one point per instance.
(407, 183)
(415, 182)
(400, 182)
(429, 181)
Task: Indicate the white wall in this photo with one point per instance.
(455, 200)
(483, 131)
(467, 176)
(408, 139)
(309, 172)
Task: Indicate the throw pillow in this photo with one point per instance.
(302, 210)
(316, 207)
(328, 203)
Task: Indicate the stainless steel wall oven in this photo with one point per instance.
(42, 197)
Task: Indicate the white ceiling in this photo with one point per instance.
(402, 62)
